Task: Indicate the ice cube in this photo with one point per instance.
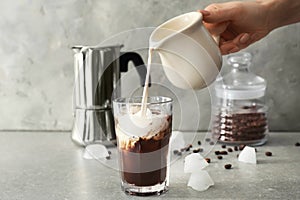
(177, 142)
(248, 155)
(194, 163)
(95, 151)
(200, 180)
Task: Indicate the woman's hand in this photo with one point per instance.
(239, 24)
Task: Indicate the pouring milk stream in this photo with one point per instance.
(143, 117)
(190, 56)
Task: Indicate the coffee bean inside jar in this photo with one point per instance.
(239, 113)
(247, 126)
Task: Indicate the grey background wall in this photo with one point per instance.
(36, 63)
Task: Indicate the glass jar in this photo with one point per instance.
(239, 112)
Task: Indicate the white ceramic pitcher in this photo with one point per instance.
(189, 54)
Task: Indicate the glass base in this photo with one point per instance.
(259, 142)
(157, 189)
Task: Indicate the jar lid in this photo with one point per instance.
(240, 83)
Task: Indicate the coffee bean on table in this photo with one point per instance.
(199, 142)
(236, 148)
(297, 144)
(268, 153)
(217, 152)
(196, 150)
(227, 166)
(107, 157)
(207, 160)
(223, 146)
(241, 147)
(220, 157)
(211, 143)
(207, 139)
(229, 149)
(223, 153)
(175, 151)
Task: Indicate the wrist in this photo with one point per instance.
(281, 12)
(272, 13)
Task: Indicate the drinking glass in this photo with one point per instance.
(143, 144)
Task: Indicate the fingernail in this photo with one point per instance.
(204, 12)
(245, 38)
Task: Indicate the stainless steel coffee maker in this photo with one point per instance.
(97, 73)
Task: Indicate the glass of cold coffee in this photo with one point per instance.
(143, 144)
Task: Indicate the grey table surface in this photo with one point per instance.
(47, 165)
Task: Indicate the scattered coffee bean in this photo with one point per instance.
(207, 160)
(109, 152)
(229, 149)
(268, 153)
(236, 148)
(223, 146)
(187, 148)
(107, 157)
(255, 149)
(175, 152)
(211, 143)
(223, 153)
(297, 144)
(199, 142)
(237, 155)
(227, 166)
(179, 153)
(241, 147)
(220, 157)
(217, 152)
(196, 150)
(207, 139)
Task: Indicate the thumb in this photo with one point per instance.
(219, 12)
(216, 29)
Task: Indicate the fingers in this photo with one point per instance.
(229, 48)
(244, 39)
(240, 42)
